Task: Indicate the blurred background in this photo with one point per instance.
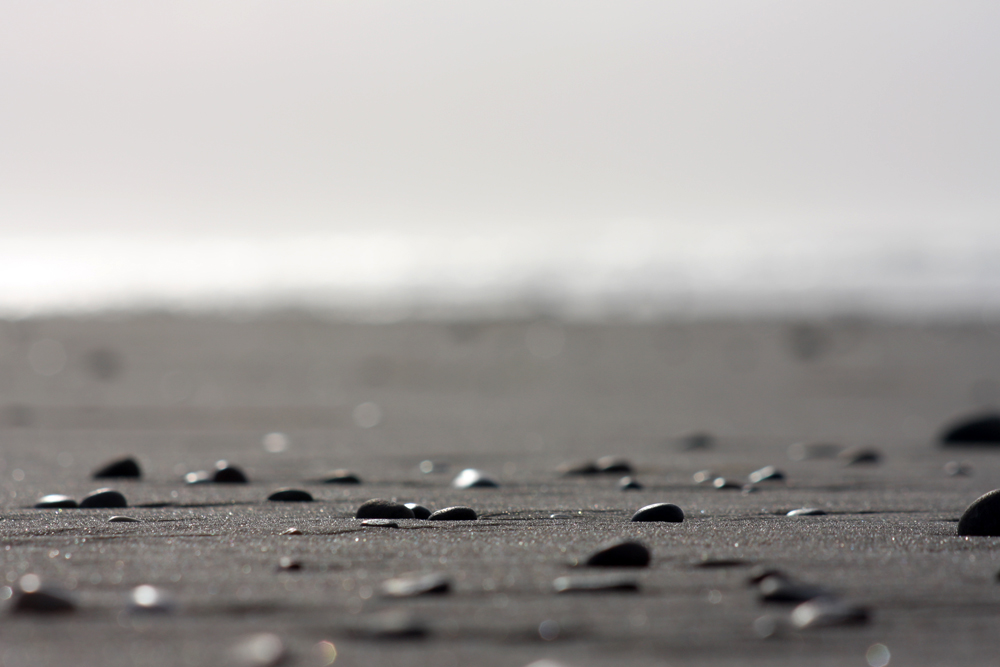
(584, 159)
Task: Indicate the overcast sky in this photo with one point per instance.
(275, 116)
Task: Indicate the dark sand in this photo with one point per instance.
(514, 399)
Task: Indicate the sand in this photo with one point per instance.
(515, 399)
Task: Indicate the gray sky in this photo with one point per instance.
(271, 116)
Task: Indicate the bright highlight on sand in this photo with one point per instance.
(878, 655)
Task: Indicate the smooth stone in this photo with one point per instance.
(629, 484)
(380, 523)
(288, 564)
(982, 517)
(55, 501)
(43, 601)
(703, 477)
(103, 498)
(613, 464)
(341, 477)
(860, 456)
(122, 519)
(779, 588)
(262, 650)
(721, 483)
(146, 598)
(825, 612)
(457, 513)
(595, 584)
(377, 508)
(419, 511)
(412, 586)
(127, 467)
(198, 477)
(228, 474)
(977, 430)
(470, 478)
(291, 531)
(806, 511)
(622, 554)
(956, 469)
(660, 512)
(392, 624)
(291, 496)
(560, 516)
(766, 474)
(802, 451)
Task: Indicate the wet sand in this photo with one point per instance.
(514, 399)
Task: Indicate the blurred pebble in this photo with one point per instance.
(126, 467)
(976, 430)
(802, 451)
(470, 478)
(55, 501)
(712, 563)
(198, 477)
(621, 554)
(581, 468)
(341, 477)
(592, 584)
(428, 466)
(419, 511)
(457, 513)
(262, 650)
(289, 564)
(766, 626)
(122, 519)
(660, 512)
(33, 598)
(103, 498)
(695, 440)
(822, 612)
(982, 517)
(779, 588)
(766, 474)
(613, 464)
(629, 484)
(412, 586)
(392, 624)
(146, 598)
(228, 474)
(859, 456)
(956, 469)
(377, 508)
(291, 496)
(722, 483)
(559, 515)
(703, 476)
(806, 511)
(380, 523)
(292, 531)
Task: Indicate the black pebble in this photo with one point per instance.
(341, 477)
(103, 498)
(227, 474)
(470, 478)
(291, 496)
(622, 554)
(43, 602)
(127, 467)
(407, 587)
(457, 513)
(629, 484)
(55, 501)
(660, 512)
(977, 430)
(765, 474)
(419, 511)
(806, 511)
(378, 508)
(982, 517)
(584, 468)
(860, 456)
(613, 464)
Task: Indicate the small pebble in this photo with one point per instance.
(33, 598)
(341, 477)
(148, 598)
(824, 612)
(859, 456)
(803, 451)
(262, 650)
(703, 477)
(713, 563)
(982, 517)
(977, 430)
(660, 512)
(289, 564)
(419, 511)
(470, 478)
(122, 519)
(779, 588)
(806, 511)
(560, 516)
(198, 477)
(695, 440)
(55, 501)
(595, 584)
(766, 474)
(582, 468)
(613, 464)
(380, 523)
(629, 484)
(292, 531)
(127, 467)
(103, 498)
(377, 508)
(228, 474)
(956, 469)
(457, 513)
(291, 496)
(722, 483)
(392, 624)
(622, 554)
(412, 586)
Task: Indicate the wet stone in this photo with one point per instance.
(341, 477)
(377, 508)
(860, 456)
(595, 584)
(55, 501)
(126, 467)
(982, 517)
(621, 554)
(629, 484)
(824, 612)
(122, 519)
(291, 496)
(766, 474)
(470, 478)
(457, 513)
(228, 474)
(412, 586)
(660, 512)
(103, 498)
(419, 511)
(806, 511)
(976, 430)
(292, 531)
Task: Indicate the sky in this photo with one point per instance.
(231, 119)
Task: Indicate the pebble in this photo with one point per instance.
(613, 464)
(392, 624)
(126, 467)
(228, 474)
(806, 511)
(824, 612)
(956, 469)
(380, 523)
(103, 498)
(292, 531)
(660, 512)
(695, 440)
(377, 508)
(146, 598)
(262, 650)
(198, 477)
(860, 456)
(779, 588)
(457, 513)
(592, 584)
(977, 430)
(621, 554)
(419, 511)
(288, 564)
(412, 586)
(341, 477)
(470, 478)
(34, 599)
(982, 517)
(703, 476)
(802, 451)
(629, 484)
(55, 501)
(291, 496)
(560, 516)
(722, 483)
(122, 519)
(766, 474)
(603, 465)
(583, 468)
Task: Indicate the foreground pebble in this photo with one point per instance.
(126, 467)
(457, 513)
(378, 508)
(594, 584)
(55, 501)
(976, 430)
(122, 519)
(33, 598)
(660, 512)
(291, 496)
(103, 498)
(806, 511)
(470, 478)
(621, 554)
(412, 586)
(982, 517)
(419, 511)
